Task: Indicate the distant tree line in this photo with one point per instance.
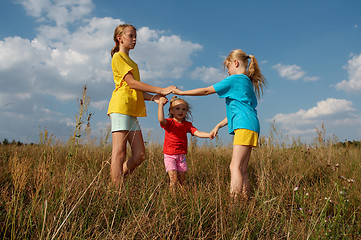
(349, 143)
(13, 142)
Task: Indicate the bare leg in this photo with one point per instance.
(239, 171)
(135, 139)
(182, 177)
(119, 166)
(173, 179)
(119, 153)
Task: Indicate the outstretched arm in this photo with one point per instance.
(155, 98)
(195, 92)
(202, 134)
(161, 103)
(137, 85)
(221, 124)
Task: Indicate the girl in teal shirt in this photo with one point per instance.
(240, 91)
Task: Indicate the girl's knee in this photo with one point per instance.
(234, 167)
(118, 156)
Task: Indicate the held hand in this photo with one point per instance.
(163, 100)
(177, 91)
(213, 133)
(168, 90)
(160, 99)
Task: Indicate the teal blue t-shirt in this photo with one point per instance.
(241, 102)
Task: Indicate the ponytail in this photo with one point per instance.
(114, 50)
(254, 73)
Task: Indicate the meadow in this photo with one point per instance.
(57, 190)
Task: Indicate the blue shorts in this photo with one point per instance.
(122, 122)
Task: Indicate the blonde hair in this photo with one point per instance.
(172, 104)
(119, 30)
(253, 72)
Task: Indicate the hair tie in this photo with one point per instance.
(173, 98)
(248, 57)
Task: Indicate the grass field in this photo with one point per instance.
(55, 190)
(58, 190)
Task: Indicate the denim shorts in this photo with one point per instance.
(122, 122)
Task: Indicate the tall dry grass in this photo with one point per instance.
(299, 192)
(56, 190)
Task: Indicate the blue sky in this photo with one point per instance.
(309, 51)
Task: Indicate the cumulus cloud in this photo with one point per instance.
(331, 111)
(162, 57)
(353, 84)
(60, 12)
(208, 74)
(45, 75)
(293, 72)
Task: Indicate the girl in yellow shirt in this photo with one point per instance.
(127, 103)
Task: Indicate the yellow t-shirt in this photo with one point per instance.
(124, 99)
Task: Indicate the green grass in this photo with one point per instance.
(61, 191)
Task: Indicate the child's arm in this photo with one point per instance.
(195, 92)
(155, 98)
(221, 124)
(137, 85)
(161, 103)
(202, 134)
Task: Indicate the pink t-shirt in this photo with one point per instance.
(175, 140)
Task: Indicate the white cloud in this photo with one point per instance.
(353, 84)
(163, 57)
(208, 75)
(35, 8)
(15, 51)
(42, 77)
(61, 12)
(291, 72)
(331, 111)
(329, 106)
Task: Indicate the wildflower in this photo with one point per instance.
(295, 189)
(306, 193)
(350, 180)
